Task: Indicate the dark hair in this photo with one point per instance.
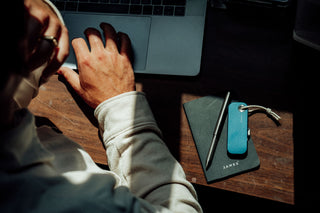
(12, 44)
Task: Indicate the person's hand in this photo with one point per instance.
(105, 71)
(46, 47)
(41, 22)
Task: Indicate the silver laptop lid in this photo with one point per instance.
(166, 35)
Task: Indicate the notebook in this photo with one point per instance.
(202, 115)
(166, 35)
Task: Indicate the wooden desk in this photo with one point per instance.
(255, 69)
(273, 180)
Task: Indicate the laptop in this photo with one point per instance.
(166, 35)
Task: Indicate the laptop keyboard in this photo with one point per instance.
(136, 7)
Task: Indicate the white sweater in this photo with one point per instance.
(44, 171)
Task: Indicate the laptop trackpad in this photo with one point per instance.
(136, 27)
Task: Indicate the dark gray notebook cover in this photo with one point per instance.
(202, 115)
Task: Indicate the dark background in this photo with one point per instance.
(250, 51)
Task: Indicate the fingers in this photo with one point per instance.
(110, 37)
(80, 49)
(71, 77)
(42, 54)
(103, 71)
(42, 21)
(125, 45)
(33, 32)
(39, 50)
(94, 38)
(60, 55)
(63, 45)
(54, 29)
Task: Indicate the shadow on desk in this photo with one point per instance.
(214, 200)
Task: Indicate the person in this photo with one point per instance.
(44, 171)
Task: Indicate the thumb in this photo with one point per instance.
(71, 77)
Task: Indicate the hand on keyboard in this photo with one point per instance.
(105, 71)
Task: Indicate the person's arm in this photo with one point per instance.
(135, 150)
(138, 155)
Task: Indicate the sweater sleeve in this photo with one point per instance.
(137, 154)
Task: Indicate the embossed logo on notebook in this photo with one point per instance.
(228, 166)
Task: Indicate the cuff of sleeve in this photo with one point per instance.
(125, 113)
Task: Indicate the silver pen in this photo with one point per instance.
(216, 131)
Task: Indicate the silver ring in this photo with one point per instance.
(51, 39)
